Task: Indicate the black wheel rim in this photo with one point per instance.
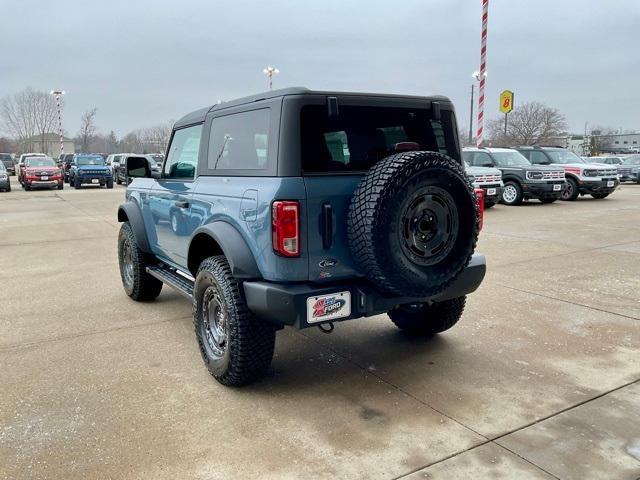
(127, 263)
(428, 225)
(214, 321)
(568, 191)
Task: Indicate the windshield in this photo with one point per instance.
(2, 168)
(39, 162)
(510, 159)
(5, 157)
(563, 156)
(7, 162)
(632, 161)
(90, 160)
(360, 136)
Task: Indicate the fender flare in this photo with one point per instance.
(512, 178)
(234, 247)
(130, 212)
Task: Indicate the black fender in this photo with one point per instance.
(513, 178)
(231, 244)
(130, 212)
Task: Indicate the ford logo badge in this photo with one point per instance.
(328, 262)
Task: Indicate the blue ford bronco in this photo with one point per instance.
(303, 208)
(89, 169)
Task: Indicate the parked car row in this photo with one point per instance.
(546, 174)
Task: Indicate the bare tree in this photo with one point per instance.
(529, 124)
(87, 128)
(26, 114)
(155, 139)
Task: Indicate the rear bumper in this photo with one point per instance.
(286, 304)
(598, 186)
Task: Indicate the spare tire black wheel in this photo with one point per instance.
(413, 223)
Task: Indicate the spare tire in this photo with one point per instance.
(413, 223)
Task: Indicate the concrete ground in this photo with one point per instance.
(540, 379)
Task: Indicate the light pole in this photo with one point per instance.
(269, 72)
(475, 75)
(57, 94)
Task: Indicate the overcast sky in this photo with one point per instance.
(143, 62)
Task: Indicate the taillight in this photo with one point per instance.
(480, 201)
(285, 227)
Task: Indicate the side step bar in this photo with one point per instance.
(171, 277)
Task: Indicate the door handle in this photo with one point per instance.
(181, 204)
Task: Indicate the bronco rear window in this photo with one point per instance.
(361, 136)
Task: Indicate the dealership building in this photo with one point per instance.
(610, 143)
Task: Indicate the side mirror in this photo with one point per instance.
(138, 167)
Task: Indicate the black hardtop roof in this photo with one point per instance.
(199, 115)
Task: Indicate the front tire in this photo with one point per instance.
(61, 186)
(137, 283)
(110, 183)
(77, 183)
(236, 347)
(571, 191)
(512, 194)
(422, 319)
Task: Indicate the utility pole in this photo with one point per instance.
(270, 71)
(57, 94)
(471, 116)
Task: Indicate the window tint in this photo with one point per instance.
(240, 141)
(538, 157)
(182, 158)
(361, 136)
(477, 159)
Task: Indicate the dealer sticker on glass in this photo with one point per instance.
(328, 307)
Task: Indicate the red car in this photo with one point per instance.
(41, 172)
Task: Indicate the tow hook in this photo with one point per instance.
(326, 327)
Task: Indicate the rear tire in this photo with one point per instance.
(236, 347)
(118, 179)
(599, 195)
(425, 320)
(571, 191)
(137, 283)
(512, 194)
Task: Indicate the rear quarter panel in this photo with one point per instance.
(231, 200)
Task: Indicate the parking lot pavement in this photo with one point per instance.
(540, 379)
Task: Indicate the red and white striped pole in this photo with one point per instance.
(57, 94)
(483, 71)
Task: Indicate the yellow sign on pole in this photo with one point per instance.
(506, 101)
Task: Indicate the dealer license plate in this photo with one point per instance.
(557, 187)
(491, 191)
(328, 307)
(95, 180)
(610, 183)
(44, 178)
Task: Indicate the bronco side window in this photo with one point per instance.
(182, 158)
(240, 141)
